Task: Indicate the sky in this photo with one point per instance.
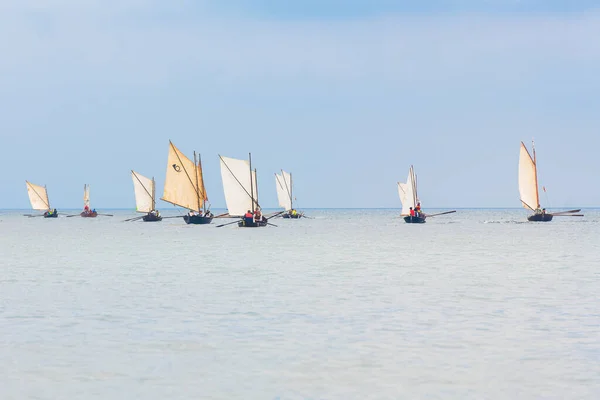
(344, 94)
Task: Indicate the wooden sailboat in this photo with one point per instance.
(528, 188)
(184, 186)
(241, 191)
(145, 197)
(38, 197)
(87, 211)
(411, 206)
(283, 184)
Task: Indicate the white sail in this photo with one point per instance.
(38, 196)
(144, 192)
(283, 184)
(236, 185)
(183, 182)
(86, 195)
(254, 189)
(408, 192)
(528, 180)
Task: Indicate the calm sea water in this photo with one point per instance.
(353, 304)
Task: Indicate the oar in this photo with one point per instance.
(567, 215)
(176, 216)
(107, 215)
(566, 212)
(32, 216)
(134, 219)
(268, 223)
(225, 215)
(274, 215)
(229, 223)
(433, 215)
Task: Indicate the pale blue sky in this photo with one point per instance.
(92, 89)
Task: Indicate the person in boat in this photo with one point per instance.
(418, 209)
(257, 215)
(539, 211)
(86, 209)
(248, 217)
(412, 212)
(294, 212)
(192, 213)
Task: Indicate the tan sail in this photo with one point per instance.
(38, 197)
(528, 187)
(144, 192)
(184, 186)
(86, 195)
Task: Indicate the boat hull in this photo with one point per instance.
(291, 216)
(540, 218)
(249, 223)
(197, 219)
(414, 220)
(46, 215)
(88, 214)
(151, 218)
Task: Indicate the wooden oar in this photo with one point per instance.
(229, 223)
(268, 223)
(106, 215)
(433, 215)
(134, 219)
(274, 215)
(567, 215)
(32, 216)
(225, 215)
(566, 212)
(176, 216)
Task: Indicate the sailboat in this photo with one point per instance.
(87, 211)
(241, 191)
(38, 197)
(283, 184)
(145, 197)
(411, 206)
(528, 188)
(184, 186)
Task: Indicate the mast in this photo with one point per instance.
(251, 182)
(256, 177)
(153, 194)
(291, 192)
(197, 187)
(202, 181)
(537, 195)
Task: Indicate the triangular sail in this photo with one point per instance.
(144, 192)
(528, 180)
(237, 185)
(38, 196)
(184, 186)
(86, 195)
(283, 184)
(408, 192)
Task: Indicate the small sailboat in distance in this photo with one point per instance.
(528, 188)
(38, 197)
(411, 206)
(87, 211)
(145, 197)
(241, 191)
(184, 186)
(283, 184)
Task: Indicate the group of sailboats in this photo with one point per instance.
(184, 187)
(38, 197)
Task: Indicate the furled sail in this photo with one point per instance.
(38, 196)
(283, 184)
(144, 192)
(237, 185)
(408, 192)
(184, 186)
(528, 180)
(86, 195)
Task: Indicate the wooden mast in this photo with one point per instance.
(203, 188)
(537, 195)
(197, 188)
(291, 192)
(251, 182)
(153, 194)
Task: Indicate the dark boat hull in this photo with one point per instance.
(46, 215)
(414, 220)
(249, 223)
(151, 218)
(89, 214)
(197, 219)
(540, 218)
(291, 216)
